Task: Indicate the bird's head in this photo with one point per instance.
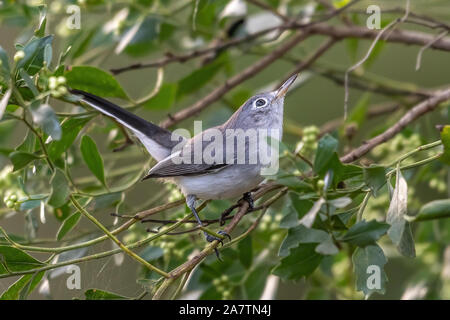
(264, 109)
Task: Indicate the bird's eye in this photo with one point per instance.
(260, 103)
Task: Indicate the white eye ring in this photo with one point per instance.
(257, 103)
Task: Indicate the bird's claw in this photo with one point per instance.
(248, 197)
(211, 238)
(223, 233)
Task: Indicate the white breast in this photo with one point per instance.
(228, 183)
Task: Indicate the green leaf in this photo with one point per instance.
(20, 159)
(445, 137)
(29, 82)
(365, 233)
(40, 31)
(28, 281)
(68, 225)
(340, 3)
(29, 143)
(375, 178)
(16, 260)
(93, 158)
(4, 67)
(46, 118)
(70, 130)
(379, 46)
(301, 262)
(164, 99)
(255, 282)
(60, 189)
(95, 81)
(352, 47)
(48, 54)
(97, 294)
(34, 55)
(327, 247)
(140, 38)
(310, 217)
(400, 230)
(30, 204)
(325, 150)
(301, 235)
(301, 206)
(359, 112)
(29, 287)
(368, 265)
(340, 203)
(289, 219)
(200, 77)
(437, 209)
(246, 251)
(151, 253)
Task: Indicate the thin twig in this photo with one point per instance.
(367, 55)
(419, 54)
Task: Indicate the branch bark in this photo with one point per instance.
(417, 111)
(398, 36)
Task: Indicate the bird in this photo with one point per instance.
(214, 174)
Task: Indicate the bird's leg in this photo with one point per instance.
(190, 201)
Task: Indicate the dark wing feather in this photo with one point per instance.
(168, 168)
(176, 170)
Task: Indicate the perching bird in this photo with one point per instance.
(219, 173)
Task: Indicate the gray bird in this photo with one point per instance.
(226, 173)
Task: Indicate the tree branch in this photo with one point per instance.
(397, 36)
(234, 81)
(417, 111)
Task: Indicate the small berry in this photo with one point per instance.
(19, 55)
(13, 197)
(220, 288)
(61, 80)
(10, 204)
(275, 237)
(62, 90)
(52, 83)
(320, 184)
(55, 93)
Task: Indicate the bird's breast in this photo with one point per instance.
(228, 183)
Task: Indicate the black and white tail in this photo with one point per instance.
(156, 140)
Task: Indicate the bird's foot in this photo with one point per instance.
(248, 197)
(211, 238)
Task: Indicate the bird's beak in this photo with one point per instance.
(285, 87)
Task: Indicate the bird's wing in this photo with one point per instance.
(166, 168)
(159, 142)
(169, 167)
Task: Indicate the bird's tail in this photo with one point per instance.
(158, 141)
